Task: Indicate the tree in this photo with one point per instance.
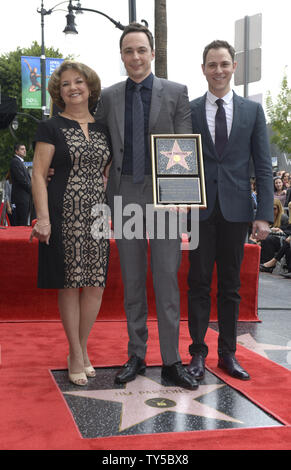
(161, 38)
(279, 114)
(10, 73)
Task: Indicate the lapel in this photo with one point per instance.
(22, 168)
(119, 106)
(156, 101)
(237, 117)
(202, 121)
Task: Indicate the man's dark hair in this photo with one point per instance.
(137, 28)
(218, 45)
(16, 147)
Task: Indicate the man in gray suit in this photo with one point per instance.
(165, 110)
(233, 131)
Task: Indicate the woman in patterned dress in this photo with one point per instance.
(73, 258)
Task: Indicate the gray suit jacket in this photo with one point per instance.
(229, 175)
(169, 114)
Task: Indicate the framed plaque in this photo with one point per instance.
(178, 172)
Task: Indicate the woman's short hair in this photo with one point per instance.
(91, 77)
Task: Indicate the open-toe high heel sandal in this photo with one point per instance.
(77, 378)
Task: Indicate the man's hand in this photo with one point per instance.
(8, 208)
(260, 230)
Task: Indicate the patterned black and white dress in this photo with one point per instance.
(75, 256)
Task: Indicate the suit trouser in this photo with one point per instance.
(285, 250)
(269, 247)
(22, 213)
(222, 242)
(165, 263)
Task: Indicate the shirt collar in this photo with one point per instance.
(20, 158)
(227, 98)
(146, 83)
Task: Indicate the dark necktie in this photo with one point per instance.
(138, 153)
(220, 128)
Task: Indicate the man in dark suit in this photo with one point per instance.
(165, 110)
(233, 131)
(288, 197)
(21, 186)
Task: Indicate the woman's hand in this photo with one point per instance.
(276, 230)
(41, 228)
(41, 231)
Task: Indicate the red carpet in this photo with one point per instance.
(34, 414)
(22, 301)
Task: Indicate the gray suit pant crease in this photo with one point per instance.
(165, 256)
(222, 242)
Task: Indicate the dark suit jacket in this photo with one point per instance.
(169, 114)
(288, 197)
(229, 175)
(21, 183)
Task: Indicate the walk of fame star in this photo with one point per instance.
(176, 156)
(144, 398)
(249, 342)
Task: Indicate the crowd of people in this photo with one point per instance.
(93, 157)
(276, 247)
(282, 187)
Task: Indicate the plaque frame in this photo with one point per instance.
(189, 174)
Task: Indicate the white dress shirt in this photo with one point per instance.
(20, 158)
(211, 109)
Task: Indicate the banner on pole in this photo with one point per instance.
(31, 80)
(50, 65)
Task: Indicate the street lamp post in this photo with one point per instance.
(71, 29)
(43, 12)
(132, 10)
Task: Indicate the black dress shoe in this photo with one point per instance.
(229, 363)
(197, 366)
(265, 269)
(177, 375)
(129, 371)
(286, 275)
